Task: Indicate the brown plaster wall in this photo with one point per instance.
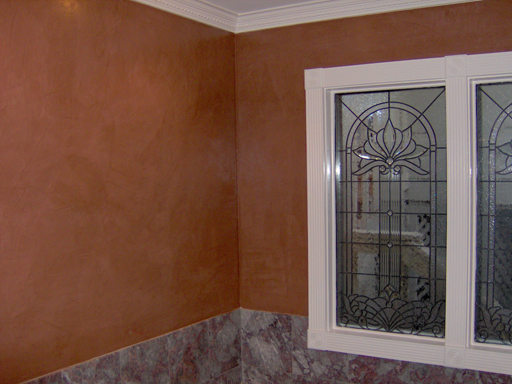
(271, 123)
(117, 179)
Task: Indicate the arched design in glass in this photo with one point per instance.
(494, 236)
(391, 210)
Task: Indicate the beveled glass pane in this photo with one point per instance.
(391, 210)
(494, 229)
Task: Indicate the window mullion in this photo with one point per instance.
(459, 211)
(317, 209)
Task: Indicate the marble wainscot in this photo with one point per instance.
(252, 347)
(207, 352)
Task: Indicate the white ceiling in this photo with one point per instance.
(251, 15)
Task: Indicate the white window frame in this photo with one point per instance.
(459, 74)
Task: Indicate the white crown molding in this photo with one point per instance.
(328, 10)
(308, 12)
(199, 11)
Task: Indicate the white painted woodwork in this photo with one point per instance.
(251, 15)
(460, 74)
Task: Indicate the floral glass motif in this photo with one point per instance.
(391, 210)
(390, 149)
(494, 234)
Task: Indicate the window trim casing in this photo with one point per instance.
(459, 74)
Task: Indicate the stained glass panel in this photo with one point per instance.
(391, 210)
(494, 231)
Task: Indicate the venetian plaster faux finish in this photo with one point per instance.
(117, 188)
(118, 193)
(271, 123)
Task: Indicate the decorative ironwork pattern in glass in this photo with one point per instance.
(494, 234)
(391, 210)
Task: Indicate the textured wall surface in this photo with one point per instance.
(271, 123)
(117, 157)
(117, 188)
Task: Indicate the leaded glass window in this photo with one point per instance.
(391, 210)
(410, 210)
(494, 236)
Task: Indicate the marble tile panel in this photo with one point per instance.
(428, 374)
(392, 371)
(233, 376)
(54, 378)
(73, 375)
(145, 363)
(266, 347)
(366, 370)
(320, 364)
(300, 331)
(103, 370)
(309, 380)
(255, 375)
(493, 378)
(188, 354)
(313, 363)
(224, 343)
